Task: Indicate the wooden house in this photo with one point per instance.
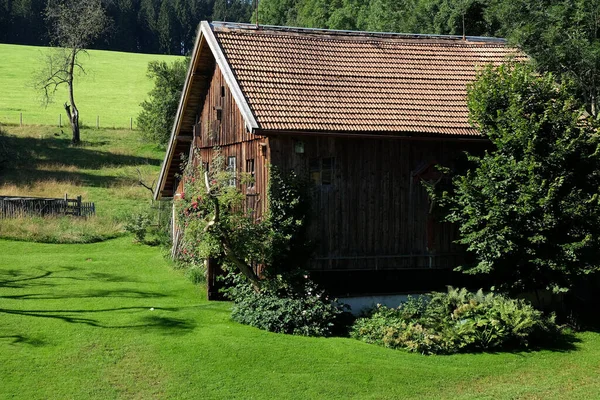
(366, 115)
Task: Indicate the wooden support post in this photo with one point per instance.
(212, 271)
(60, 120)
(130, 123)
(21, 119)
(97, 121)
(78, 206)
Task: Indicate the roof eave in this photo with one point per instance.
(374, 135)
(229, 76)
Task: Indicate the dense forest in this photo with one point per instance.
(480, 17)
(168, 26)
(146, 26)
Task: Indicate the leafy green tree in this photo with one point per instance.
(562, 36)
(158, 112)
(277, 12)
(530, 209)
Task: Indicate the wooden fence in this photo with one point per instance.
(19, 206)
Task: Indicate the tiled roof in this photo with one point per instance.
(303, 80)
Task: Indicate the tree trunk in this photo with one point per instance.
(73, 117)
(72, 111)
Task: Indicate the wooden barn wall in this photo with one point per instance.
(220, 124)
(375, 215)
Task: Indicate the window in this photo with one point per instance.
(250, 172)
(314, 167)
(327, 171)
(321, 170)
(232, 168)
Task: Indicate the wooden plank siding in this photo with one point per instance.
(228, 133)
(376, 213)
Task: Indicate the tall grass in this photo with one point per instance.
(105, 169)
(63, 229)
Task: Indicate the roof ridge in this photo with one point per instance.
(218, 25)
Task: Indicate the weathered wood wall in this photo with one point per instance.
(220, 124)
(375, 214)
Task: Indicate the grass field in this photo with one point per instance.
(41, 161)
(114, 86)
(77, 323)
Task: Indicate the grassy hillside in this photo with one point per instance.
(113, 88)
(111, 320)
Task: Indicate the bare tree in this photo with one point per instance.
(74, 25)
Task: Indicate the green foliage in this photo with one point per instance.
(217, 225)
(529, 210)
(196, 274)
(457, 321)
(158, 112)
(409, 16)
(277, 241)
(232, 10)
(145, 26)
(138, 224)
(560, 36)
(299, 309)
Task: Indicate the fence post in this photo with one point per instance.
(79, 206)
(97, 121)
(130, 123)
(60, 120)
(21, 119)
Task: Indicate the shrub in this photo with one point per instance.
(138, 224)
(149, 225)
(299, 308)
(528, 209)
(196, 273)
(457, 321)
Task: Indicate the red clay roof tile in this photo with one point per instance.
(334, 81)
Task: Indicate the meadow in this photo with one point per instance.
(104, 169)
(113, 87)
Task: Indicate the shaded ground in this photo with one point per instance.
(113, 320)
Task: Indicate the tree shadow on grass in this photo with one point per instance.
(28, 279)
(34, 159)
(166, 325)
(22, 340)
(51, 150)
(89, 294)
(42, 277)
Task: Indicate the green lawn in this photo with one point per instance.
(114, 86)
(76, 321)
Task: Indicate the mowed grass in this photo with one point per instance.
(113, 87)
(112, 320)
(105, 169)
